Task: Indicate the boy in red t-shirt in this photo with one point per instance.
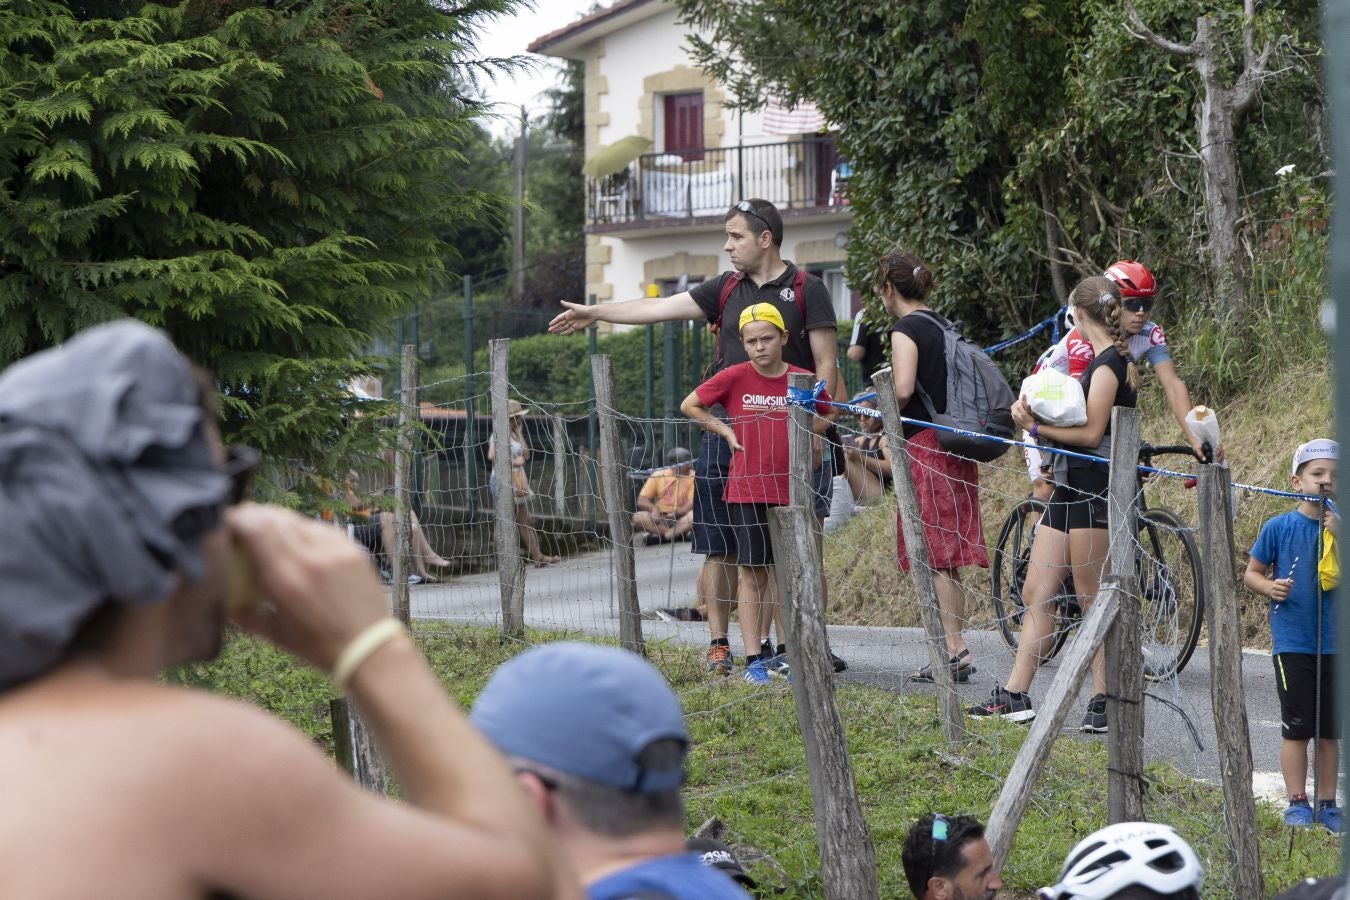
(754, 395)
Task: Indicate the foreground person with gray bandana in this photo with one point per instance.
(121, 521)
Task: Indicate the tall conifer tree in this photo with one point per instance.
(268, 181)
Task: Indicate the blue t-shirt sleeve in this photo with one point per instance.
(1263, 551)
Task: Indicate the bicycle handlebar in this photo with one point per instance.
(1150, 450)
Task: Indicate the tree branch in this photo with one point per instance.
(1254, 71)
(1144, 33)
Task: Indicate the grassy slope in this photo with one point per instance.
(1260, 432)
(747, 766)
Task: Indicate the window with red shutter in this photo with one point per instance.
(684, 125)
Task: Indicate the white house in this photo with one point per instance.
(661, 218)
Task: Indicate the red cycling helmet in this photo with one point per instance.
(1132, 278)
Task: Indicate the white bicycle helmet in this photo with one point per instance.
(1124, 855)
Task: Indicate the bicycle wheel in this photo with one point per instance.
(1171, 593)
(1011, 558)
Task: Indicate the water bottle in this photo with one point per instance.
(1204, 425)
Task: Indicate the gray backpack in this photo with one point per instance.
(979, 399)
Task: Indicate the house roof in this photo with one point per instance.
(567, 42)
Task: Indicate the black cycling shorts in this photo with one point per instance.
(1079, 503)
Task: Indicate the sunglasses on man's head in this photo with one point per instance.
(748, 208)
(940, 827)
(1137, 304)
(240, 464)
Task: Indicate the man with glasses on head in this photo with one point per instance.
(754, 230)
(947, 858)
(124, 543)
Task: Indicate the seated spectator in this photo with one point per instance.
(374, 530)
(122, 524)
(1129, 861)
(949, 859)
(867, 457)
(597, 739)
(666, 501)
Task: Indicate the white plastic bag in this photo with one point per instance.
(1056, 399)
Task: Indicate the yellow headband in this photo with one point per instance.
(763, 312)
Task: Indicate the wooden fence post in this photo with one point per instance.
(1225, 680)
(916, 545)
(847, 857)
(354, 748)
(559, 464)
(1124, 653)
(800, 483)
(1017, 787)
(510, 564)
(612, 483)
(401, 552)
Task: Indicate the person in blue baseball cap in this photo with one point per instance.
(597, 739)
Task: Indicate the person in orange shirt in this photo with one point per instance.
(666, 502)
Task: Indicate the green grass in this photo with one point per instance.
(747, 765)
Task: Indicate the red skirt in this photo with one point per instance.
(948, 488)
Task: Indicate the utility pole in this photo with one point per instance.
(518, 220)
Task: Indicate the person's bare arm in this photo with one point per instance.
(879, 465)
(904, 366)
(855, 352)
(258, 811)
(325, 593)
(1179, 401)
(825, 352)
(1257, 579)
(1101, 397)
(703, 417)
(644, 502)
(642, 311)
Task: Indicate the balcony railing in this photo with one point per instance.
(662, 188)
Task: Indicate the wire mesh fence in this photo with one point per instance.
(575, 580)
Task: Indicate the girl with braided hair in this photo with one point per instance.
(1072, 535)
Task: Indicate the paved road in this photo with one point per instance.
(577, 595)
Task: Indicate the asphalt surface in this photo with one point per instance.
(578, 595)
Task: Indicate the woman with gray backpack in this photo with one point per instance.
(947, 485)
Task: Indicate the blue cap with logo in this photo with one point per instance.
(583, 710)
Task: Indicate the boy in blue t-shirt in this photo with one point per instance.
(1284, 567)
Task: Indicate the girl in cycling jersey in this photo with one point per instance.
(1144, 339)
(1072, 535)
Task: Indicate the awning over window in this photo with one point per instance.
(801, 119)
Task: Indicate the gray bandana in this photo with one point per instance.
(106, 486)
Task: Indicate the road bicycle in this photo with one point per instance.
(1166, 568)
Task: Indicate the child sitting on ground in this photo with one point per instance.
(754, 394)
(1284, 567)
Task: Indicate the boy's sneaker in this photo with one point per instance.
(719, 659)
(1005, 704)
(778, 665)
(756, 673)
(1328, 816)
(839, 664)
(1094, 720)
(1299, 813)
